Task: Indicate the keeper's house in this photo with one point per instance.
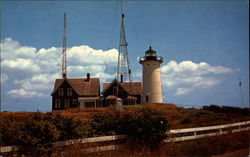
(85, 93)
(76, 93)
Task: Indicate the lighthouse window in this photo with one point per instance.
(146, 98)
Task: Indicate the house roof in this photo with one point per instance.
(81, 86)
(132, 88)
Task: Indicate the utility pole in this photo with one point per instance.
(241, 93)
(64, 55)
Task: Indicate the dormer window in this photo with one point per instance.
(69, 91)
(60, 92)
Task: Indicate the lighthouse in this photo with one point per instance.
(152, 85)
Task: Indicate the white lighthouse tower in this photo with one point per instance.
(152, 85)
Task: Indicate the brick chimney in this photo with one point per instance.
(88, 77)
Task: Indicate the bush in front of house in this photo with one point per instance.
(69, 127)
(37, 132)
(35, 136)
(106, 123)
(143, 125)
(146, 126)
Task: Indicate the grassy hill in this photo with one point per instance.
(178, 117)
(37, 131)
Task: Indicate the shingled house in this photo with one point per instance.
(76, 92)
(129, 92)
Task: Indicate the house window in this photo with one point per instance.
(69, 91)
(147, 98)
(57, 103)
(60, 92)
(66, 103)
(74, 101)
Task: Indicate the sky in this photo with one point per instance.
(204, 44)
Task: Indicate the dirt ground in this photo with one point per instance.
(239, 153)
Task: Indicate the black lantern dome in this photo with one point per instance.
(150, 55)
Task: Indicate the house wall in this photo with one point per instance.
(138, 96)
(62, 99)
(122, 94)
(87, 103)
(112, 91)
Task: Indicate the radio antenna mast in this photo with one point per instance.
(123, 66)
(64, 55)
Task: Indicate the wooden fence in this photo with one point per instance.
(174, 136)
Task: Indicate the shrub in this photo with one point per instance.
(227, 109)
(35, 136)
(143, 125)
(146, 125)
(69, 127)
(105, 123)
(37, 132)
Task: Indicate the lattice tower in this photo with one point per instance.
(123, 67)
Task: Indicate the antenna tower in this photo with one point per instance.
(64, 55)
(123, 67)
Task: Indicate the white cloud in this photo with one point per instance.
(34, 71)
(188, 76)
(85, 69)
(22, 93)
(105, 77)
(37, 86)
(183, 91)
(201, 68)
(21, 64)
(25, 52)
(86, 55)
(4, 78)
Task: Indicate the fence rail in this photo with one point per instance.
(196, 134)
(90, 140)
(208, 128)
